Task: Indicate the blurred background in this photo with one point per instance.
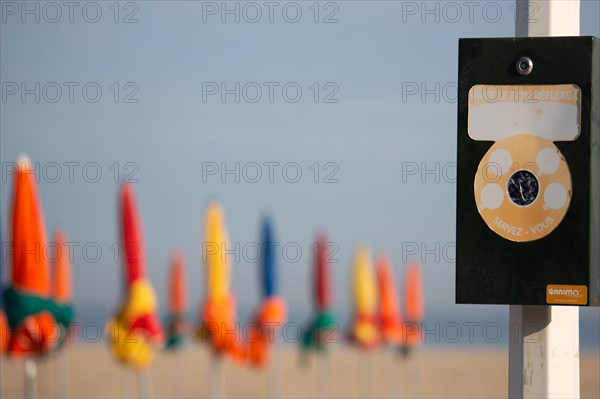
(337, 117)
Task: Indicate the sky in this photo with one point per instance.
(336, 117)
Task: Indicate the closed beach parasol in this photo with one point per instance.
(178, 303)
(364, 331)
(135, 330)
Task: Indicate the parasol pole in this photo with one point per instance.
(216, 381)
(144, 383)
(364, 363)
(61, 374)
(2, 384)
(30, 373)
(324, 375)
(181, 373)
(275, 372)
(391, 371)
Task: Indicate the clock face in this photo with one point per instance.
(523, 188)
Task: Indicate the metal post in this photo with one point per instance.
(544, 341)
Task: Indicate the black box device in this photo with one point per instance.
(528, 184)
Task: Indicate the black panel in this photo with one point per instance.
(489, 268)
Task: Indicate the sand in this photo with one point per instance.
(443, 373)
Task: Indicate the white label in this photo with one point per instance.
(551, 112)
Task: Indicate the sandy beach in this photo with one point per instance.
(445, 373)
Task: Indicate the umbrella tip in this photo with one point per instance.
(321, 237)
(213, 204)
(214, 207)
(177, 258)
(383, 260)
(126, 192)
(59, 233)
(266, 224)
(23, 161)
(125, 186)
(363, 248)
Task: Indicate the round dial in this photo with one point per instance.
(523, 188)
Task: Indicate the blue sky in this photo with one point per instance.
(371, 140)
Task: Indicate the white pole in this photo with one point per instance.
(144, 384)
(544, 343)
(547, 18)
(30, 371)
(544, 352)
